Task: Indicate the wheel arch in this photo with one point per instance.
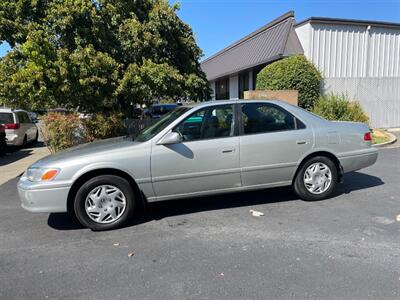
(327, 154)
(97, 172)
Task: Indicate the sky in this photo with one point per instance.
(218, 23)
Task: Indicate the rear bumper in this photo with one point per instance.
(13, 140)
(36, 199)
(359, 160)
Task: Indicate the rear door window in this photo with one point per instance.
(23, 117)
(266, 117)
(6, 118)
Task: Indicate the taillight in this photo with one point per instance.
(12, 126)
(367, 136)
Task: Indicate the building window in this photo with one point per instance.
(222, 89)
(243, 84)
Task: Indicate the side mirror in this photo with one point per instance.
(170, 139)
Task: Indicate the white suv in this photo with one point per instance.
(20, 130)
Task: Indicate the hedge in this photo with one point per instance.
(292, 73)
(338, 107)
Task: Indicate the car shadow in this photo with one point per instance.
(14, 153)
(159, 210)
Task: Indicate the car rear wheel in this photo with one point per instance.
(3, 147)
(25, 142)
(36, 138)
(104, 202)
(316, 179)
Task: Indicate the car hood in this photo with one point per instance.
(88, 149)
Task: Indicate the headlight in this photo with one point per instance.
(41, 174)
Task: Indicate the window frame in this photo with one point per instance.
(235, 120)
(241, 123)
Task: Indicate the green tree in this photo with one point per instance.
(96, 54)
(294, 72)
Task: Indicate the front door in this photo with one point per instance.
(207, 159)
(271, 144)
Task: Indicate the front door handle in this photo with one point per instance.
(228, 150)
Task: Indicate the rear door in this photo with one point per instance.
(272, 142)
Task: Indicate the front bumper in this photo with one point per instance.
(36, 197)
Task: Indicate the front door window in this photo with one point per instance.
(208, 123)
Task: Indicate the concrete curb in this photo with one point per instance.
(393, 139)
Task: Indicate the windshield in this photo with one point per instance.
(149, 132)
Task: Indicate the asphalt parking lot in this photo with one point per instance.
(347, 247)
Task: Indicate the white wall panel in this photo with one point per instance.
(379, 97)
(351, 50)
(384, 58)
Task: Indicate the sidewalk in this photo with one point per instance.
(15, 163)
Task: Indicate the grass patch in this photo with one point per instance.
(379, 136)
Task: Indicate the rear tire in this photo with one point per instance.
(316, 179)
(104, 202)
(36, 138)
(3, 147)
(24, 142)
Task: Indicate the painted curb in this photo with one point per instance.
(393, 139)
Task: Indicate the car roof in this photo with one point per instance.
(232, 101)
(10, 110)
(164, 104)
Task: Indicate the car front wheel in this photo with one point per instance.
(104, 202)
(316, 179)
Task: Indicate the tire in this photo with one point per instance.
(24, 142)
(3, 147)
(36, 138)
(100, 191)
(323, 182)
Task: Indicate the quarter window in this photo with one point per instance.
(265, 117)
(208, 123)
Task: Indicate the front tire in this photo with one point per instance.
(104, 202)
(316, 179)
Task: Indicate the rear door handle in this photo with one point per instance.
(301, 142)
(228, 150)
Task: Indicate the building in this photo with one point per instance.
(359, 58)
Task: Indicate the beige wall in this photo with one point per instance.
(290, 96)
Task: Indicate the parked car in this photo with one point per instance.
(3, 140)
(33, 116)
(156, 111)
(213, 148)
(20, 129)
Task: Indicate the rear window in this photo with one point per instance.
(6, 118)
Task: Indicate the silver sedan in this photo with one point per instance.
(211, 148)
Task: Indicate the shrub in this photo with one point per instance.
(340, 108)
(61, 131)
(64, 131)
(292, 73)
(100, 126)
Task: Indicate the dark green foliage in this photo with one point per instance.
(292, 73)
(96, 55)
